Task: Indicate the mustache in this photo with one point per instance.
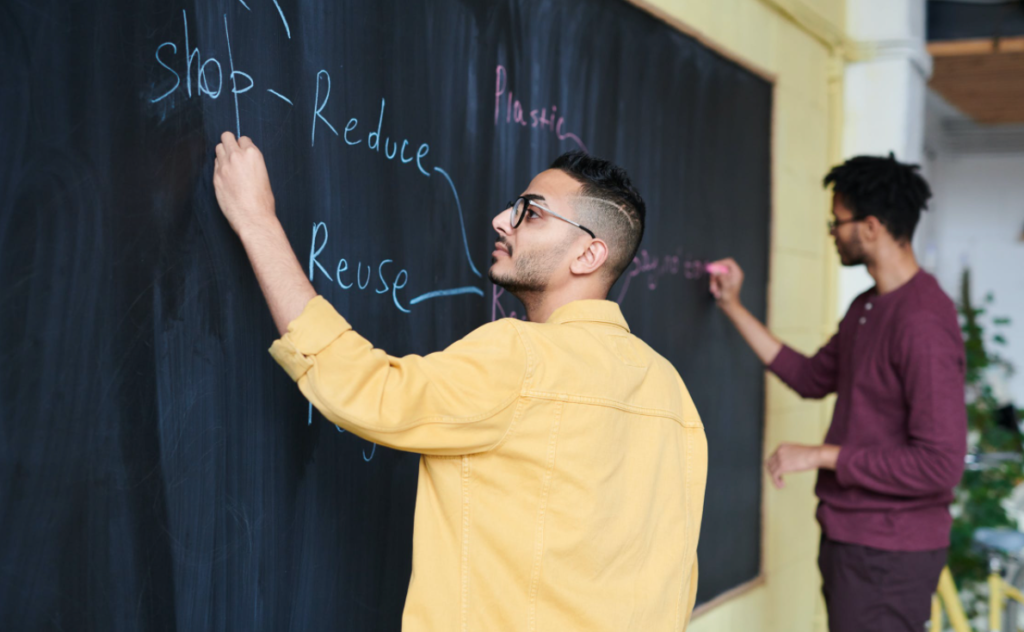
(501, 240)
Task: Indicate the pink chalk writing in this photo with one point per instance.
(516, 114)
(654, 268)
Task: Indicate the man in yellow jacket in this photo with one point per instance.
(562, 479)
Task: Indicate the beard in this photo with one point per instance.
(851, 251)
(524, 279)
(530, 274)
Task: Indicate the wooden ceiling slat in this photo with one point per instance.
(985, 83)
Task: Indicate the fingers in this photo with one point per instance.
(775, 469)
(228, 140)
(220, 150)
(775, 473)
(245, 143)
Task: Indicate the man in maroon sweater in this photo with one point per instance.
(895, 450)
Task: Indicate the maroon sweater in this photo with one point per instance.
(897, 365)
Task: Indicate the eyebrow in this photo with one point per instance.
(533, 196)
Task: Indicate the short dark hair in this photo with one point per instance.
(601, 179)
(888, 189)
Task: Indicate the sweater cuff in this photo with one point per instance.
(845, 474)
(316, 327)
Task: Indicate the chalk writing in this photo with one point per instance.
(280, 96)
(341, 430)
(373, 138)
(204, 71)
(234, 82)
(400, 280)
(516, 114)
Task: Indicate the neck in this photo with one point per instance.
(541, 305)
(893, 267)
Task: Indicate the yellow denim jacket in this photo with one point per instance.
(562, 479)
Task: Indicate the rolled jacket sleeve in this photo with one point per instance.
(457, 401)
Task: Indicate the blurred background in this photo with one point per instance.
(941, 84)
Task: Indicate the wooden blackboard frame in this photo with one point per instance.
(771, 78)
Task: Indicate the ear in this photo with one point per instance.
(873, 228)
(591, 259)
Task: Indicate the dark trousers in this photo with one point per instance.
(871, 590)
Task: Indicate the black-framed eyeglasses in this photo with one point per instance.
(521, 206)
(836, 223)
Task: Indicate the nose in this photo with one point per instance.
(502, 222)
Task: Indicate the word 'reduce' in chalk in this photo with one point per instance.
(373, 141)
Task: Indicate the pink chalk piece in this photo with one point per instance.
(717, 268)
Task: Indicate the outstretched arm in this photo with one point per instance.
(243, 192)
(726, 286)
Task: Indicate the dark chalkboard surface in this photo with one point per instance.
(158, 471)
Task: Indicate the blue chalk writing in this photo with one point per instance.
(420, 153)
(188, 56)
(204, 71)
(314, 251)
(203, 85)
(234, 82)
(380, 273)
(318, 107)
(280, 96)
(359, 275)
(338, 271)
(373, 140)
(341, 430)
(245, 5)
(316, 247)
(462, 222)
(177, 78)
(287, 30)
(397, 286)
(452, 292)
(351, 125)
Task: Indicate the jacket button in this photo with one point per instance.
(863, 320)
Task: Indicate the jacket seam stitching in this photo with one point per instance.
(686, 523)
(464, 597)
(538, 546)
(597, 401)
(437, 419)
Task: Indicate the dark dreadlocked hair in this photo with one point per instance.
(890, 190)
(621, 223)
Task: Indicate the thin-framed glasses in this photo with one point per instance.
(836, 223)
(521, 206)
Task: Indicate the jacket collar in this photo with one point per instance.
(589, 311)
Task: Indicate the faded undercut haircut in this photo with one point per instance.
(609, 205)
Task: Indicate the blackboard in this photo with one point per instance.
(158, 471)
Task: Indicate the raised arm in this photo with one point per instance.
(726, 286)
(813, 377)
(432, 404)
(243, 192)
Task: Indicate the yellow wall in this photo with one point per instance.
(799, 42)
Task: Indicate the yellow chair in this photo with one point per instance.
(1005, 549)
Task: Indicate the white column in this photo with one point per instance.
(884, 95)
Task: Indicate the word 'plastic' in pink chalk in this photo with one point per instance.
(717, 268)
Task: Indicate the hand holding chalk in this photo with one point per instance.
(726, 281)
